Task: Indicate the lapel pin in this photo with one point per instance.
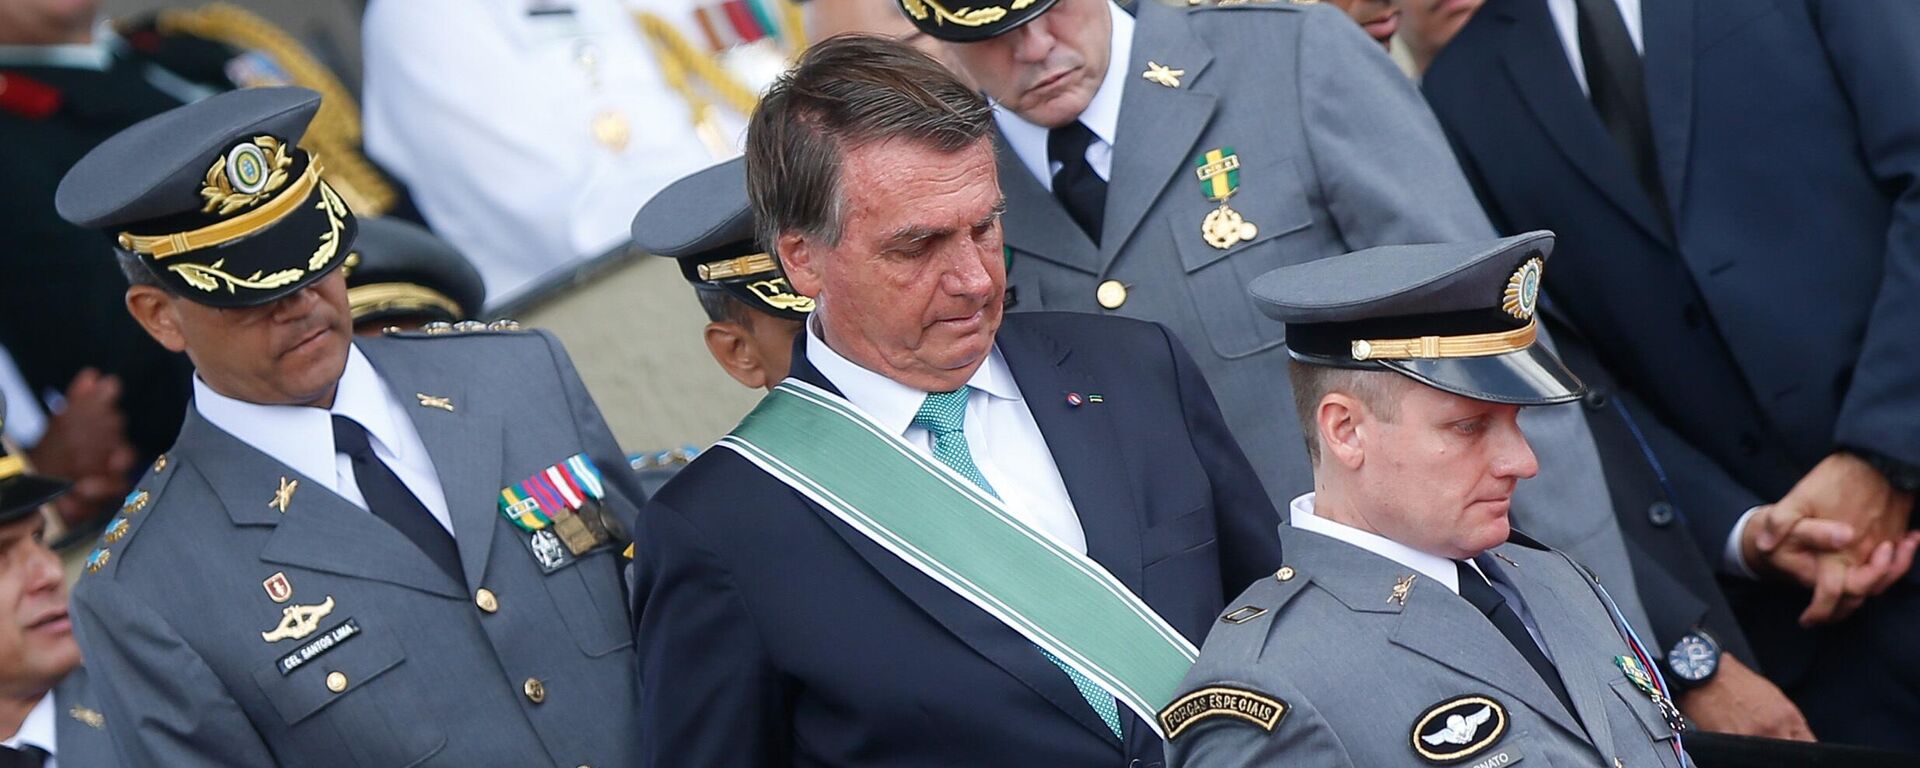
(1075, 399)
(284, 496)
(433, 401)
(92, 719)
(279, 589)
(1507, 560)
(1400, 589)
(1163, 75)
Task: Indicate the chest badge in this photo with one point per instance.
(1458, 728)
(1219, 174)
(298, 621)
(278, 588)
(434, 401)
(1160, 74)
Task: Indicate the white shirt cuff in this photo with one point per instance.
(1733, 562)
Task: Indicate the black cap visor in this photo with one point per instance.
(1532, 376)
(21, 495)
(942, 26)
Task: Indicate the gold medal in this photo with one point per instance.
(1224, 227)
(1219, 173)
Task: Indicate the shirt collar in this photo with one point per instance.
(96, 55)
(38, 729)
(889, 402)
(301, 437)
(1432, 566)
(1102, 115)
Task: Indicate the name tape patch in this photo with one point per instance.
(1220, 701)
(313, 649)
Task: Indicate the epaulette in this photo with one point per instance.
(1232, 654)
(27, 97)
(119, 531)
(462, 328)
(1256, 606)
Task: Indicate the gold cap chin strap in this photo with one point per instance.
(1437, 347)
(380, 297)
(163, 246)
(740, 267)
(12, 467)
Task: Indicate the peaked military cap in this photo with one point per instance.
(217, 198)
(959, 21)
(1459, 317)
(22, 493)
(399, 269)
(705, 221)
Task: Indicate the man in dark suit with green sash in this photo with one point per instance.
(947, 539)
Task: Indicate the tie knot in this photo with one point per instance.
(943, 413)
(1476, 589)
(1069, 142)
(350, 438)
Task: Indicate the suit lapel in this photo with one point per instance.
(1669, 31)
(319, 530)
(1035, 222)
(1566, 643)
(1537, 62)
(466, 447)
(995, 641)
(1158, 126)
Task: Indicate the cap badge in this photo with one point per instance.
(247, 174)
(1219, 174)
(1523, 289)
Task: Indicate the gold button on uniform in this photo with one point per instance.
(1111, 294)
(484, 598)
(1284, 574)
(536, 691)
(336, 681)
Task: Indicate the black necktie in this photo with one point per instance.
(27, 756)
(1482, 595)
(389, 499)
(1616, 83)
(1081, 190)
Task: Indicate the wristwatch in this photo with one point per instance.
(1693, 659)
(1901, 475)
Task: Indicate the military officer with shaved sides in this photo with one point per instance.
(1411, 624)
(376, 552)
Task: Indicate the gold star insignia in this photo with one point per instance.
(434, 401)
(284, 496)
(1162, 75)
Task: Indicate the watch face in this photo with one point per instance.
(1694, 658)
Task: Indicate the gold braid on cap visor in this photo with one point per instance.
(367, 299)
(163, 246)
(12, 467)
(1435, 347)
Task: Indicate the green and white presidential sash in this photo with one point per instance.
(942, 524)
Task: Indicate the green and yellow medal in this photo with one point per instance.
(1219, 172)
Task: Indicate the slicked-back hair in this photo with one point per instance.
(1380, 390)
(846, 92)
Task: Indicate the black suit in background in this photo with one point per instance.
(772, 634)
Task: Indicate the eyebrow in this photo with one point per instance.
(916, 234)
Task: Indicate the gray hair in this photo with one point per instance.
(844, 92)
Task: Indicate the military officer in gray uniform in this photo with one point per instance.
(1410, 624)
(374, 552)
(47, 711)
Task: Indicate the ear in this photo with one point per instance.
(1339, 418)
(153, 309)
(798, 258)
(730, 346)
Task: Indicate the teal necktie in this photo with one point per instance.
(945, 415)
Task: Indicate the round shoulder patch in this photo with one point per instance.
(1459, 728)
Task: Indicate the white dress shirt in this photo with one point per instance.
(487, 113)
(1566, 20)
(38, 730)
(1005, 442)
(1432, 566)
(1102, 116)
(302, 437)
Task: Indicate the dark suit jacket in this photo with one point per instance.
(771, 634)
(1773, 321)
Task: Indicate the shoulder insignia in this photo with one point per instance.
(144, 495)
(1459, 728)
(27, 97)
(1222, 701)
(462, 328)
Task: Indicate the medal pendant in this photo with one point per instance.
(610, 128)
(1224, 227)
(574, 533)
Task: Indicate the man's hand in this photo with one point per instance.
(1818, 554)
(1739, 701)
(86, 442)
(1845, 487)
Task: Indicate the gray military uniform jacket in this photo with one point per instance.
(1338, 152)
(1349, 674)
(539, 670)
(80, 730)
